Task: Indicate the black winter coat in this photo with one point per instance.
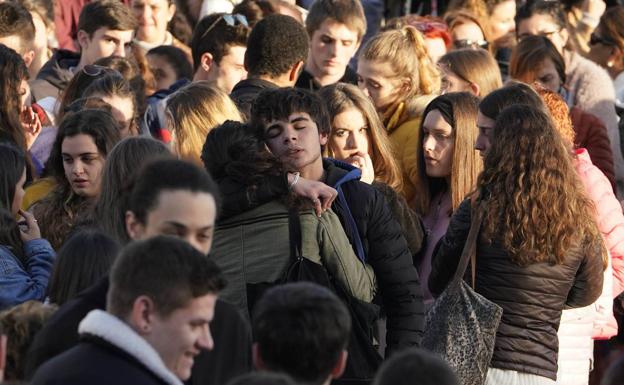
(95, 361)
(387, 252)
(230, 357)
(532, 297)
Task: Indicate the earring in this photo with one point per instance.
(609, 64)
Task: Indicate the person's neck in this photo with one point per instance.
(280, 81)
(322, 78)
(155, 39)
(81, 64)
(314, 171)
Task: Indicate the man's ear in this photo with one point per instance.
(28, 57)
(323, 138)
(83, 39)
(142, 315)
(206, 61)
(257, 361)
(339, 368)
(295, 71)
(134, 227)
(172, 11)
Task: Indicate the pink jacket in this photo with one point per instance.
(610, 222)
(579, 326)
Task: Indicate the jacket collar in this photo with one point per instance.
(111, 329)
(339, 172)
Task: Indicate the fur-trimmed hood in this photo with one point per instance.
(111, 329)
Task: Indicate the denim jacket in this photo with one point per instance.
(20, 283)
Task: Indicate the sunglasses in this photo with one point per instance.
(230, 19)
(95, 70)
(426, 26)
(595, 39)
(474, 44)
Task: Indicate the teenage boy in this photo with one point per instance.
(159, 307)
(218, 49)
(105, 28)
(218, 45)
(294, 125)
(170, 197)
(277, 49)
(311, 321)
(336, 29)
(17, 30)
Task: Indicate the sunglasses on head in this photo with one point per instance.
(230, 19)
(595, 39)
(474, 44)
(94, 70)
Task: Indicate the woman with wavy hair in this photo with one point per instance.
(395, 71)
(82, 144)
(192, 112)
(358, 137)
(448, 166)
(539, 249)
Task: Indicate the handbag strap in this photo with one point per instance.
(294, 233)
(469, 251)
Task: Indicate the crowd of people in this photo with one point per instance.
(276, 192)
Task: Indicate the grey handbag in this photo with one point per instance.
(461, 325)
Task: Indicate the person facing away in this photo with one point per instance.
(159, 306)
(294, 125)
(312, 322)
(539, 249)
(277, 49)
(167, 197)
(335, 30)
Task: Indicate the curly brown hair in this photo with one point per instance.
(536, 205)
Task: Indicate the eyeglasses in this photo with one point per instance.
(595, 39)
(230, 19)
(546, 34)
(467, 43)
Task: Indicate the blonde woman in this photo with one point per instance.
(192, 112)
(358, 137)
(470, 70)
(395, 71)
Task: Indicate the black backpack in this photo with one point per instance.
(364, 360)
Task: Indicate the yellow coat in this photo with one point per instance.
(37, 191)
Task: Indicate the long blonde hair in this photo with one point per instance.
(193, 111)
(341, 97)
(404, 49)
(476, 66)
(461, 109)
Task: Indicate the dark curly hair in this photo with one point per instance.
(275, 45)
(12, 71)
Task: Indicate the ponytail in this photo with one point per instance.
(404, 49)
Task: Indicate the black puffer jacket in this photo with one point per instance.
(532, 297)
(386, 251)
(54, 75)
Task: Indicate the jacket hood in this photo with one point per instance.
(339, 172)
(56, 71)
(111, 329)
